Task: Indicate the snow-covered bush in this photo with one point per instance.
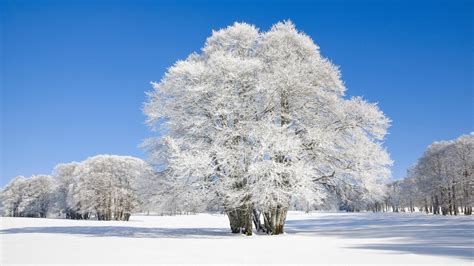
(259, 120)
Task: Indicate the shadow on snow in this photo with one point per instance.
(410, 233)
(124, 231)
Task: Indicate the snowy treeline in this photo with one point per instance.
(258, 122)
(104, 186)
(441, 181)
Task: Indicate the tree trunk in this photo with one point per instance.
(450, 203)
(127, 216)
(239, 220)
(426, 206)
(274, 220)
(248, 220)
(256, 221)
(453, 194)
(436, 205)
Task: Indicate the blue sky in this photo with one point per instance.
(74, 73)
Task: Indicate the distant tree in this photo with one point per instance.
(442, 180)
(107, 186)
(12, 196)
(30, 197)
(66, 181)
(258, 121)
(38, 196)
(463, 165)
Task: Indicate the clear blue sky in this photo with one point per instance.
(74, 73)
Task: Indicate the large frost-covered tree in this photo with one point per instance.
(259, 120)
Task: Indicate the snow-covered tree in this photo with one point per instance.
(107, 186)
(38, 196)
(442, 180)
(12, 196)
(259, 120)
(66, 182)
(30, 197)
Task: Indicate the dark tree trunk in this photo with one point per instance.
(256, 221)
(436, 205)
(455, 207)
(274, 220)
(450, 202)
(127, 216)
(236, 220)
(248, 220)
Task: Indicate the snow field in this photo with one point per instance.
(316, 238)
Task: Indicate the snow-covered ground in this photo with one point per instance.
(317, 238)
